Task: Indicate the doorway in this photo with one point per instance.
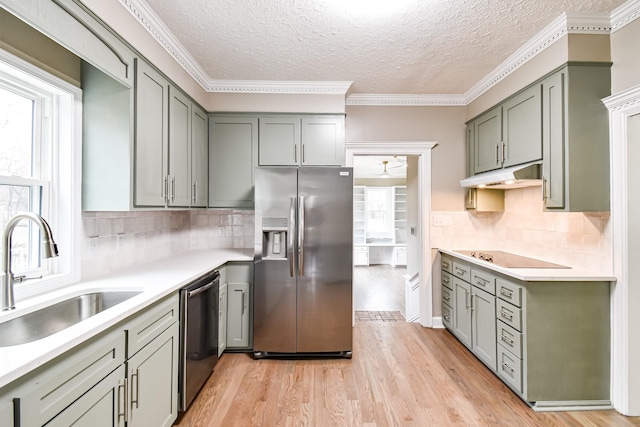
(417, 276)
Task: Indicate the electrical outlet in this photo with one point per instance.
(442, 220)
(120, 241)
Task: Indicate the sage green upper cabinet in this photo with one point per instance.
(152, 136)
(179, 149)
(487, 130)
(576, 139)
(323, 141)
(314, 140)
(233, 154)
(522, 128)
(164, 122)
(280, 141)
(469, 140)
(199, 158)
(73, 26)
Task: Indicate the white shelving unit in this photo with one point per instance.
(360, 250)
(399, 254)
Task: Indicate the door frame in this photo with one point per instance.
(421, 149)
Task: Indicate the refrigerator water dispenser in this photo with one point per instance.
(274, 238)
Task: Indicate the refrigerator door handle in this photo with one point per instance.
(291, 242)
(301, 236)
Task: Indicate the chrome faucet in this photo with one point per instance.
(49, 250)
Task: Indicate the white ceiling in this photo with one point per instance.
(423, 47)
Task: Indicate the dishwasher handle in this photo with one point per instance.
(201, 289)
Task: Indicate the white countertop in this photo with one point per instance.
(538, 274)
(156, 280)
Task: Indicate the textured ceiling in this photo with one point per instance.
(424, 47)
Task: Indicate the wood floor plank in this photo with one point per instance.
(400, 375)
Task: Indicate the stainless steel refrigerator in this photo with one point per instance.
(303, 261)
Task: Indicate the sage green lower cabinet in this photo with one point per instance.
(153, 381)
(462, 311)
(233, 155)
(6, 411)
(239, 303)
(483, 326)
(102, 406)
(222, 319)
(128, 374)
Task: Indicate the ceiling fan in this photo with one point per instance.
(385, 173)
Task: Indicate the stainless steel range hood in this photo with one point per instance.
(527, 175)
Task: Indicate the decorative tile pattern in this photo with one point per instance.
(379, 316)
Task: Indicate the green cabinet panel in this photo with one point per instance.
(179, 149)
(488, 139)
(462, 311)
(102, 406)
(280, 141)
(469, 141)
(145, 326)
(233, 155)
(522, 128)
(153, 381)
(6, 411)
(310, 140)
(199, 158)
(239, 278)
(323, 141)
(576, 139)
(483, 321)
(222, 319)
(152, 138)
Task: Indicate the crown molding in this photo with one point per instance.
(562, 25)
(405, 100)
(151, 22)
(625, 14)
(624, 100)
(278, 87)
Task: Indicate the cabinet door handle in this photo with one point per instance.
(466, 299)
(544, 188)
(506, 315)
(447, 298)
(295, 153)
(165, 189)
(507, 340)
(446, 317)
(481, 282)
(506, 292)
(173, 189)
(460, 271)
(445, 264)
(445, 279)
(506, 367)
(497, 153)
(472, 304)
(137, 383)
(503, 148)
(125, 412)
(195, 191)
(303, 154)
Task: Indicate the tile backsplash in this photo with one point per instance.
(577, 239)
(115, 240)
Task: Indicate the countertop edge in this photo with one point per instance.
(18, 361)
(537, 274)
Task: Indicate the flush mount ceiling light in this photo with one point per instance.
(371, 8)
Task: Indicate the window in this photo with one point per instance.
(39, 169)
(379, 213)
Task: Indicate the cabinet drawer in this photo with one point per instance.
(463, 271)
(150, 323)
(510, 368)
(483, 280)
(508, 291)
(447, 280)
(509, 338)
(446, 264)
(509, 314)
(446, 316)
(447, 296)
(67, 379)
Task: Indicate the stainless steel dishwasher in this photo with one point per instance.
(199, 335)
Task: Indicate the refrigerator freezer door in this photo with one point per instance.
(275, 278)
(324, 308)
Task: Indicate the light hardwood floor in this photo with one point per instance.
(401, 375)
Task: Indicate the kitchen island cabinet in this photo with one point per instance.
(550, 338)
